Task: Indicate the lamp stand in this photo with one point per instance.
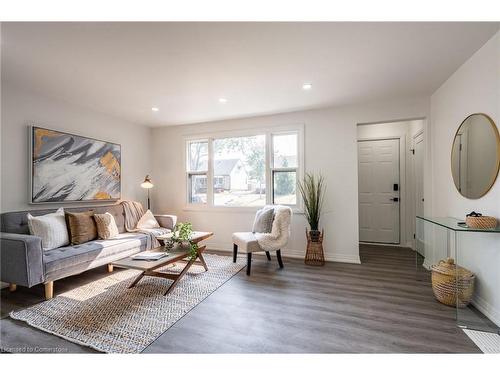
(149, 202)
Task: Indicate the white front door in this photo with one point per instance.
(378, 186)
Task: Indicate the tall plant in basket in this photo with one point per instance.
(312, 189)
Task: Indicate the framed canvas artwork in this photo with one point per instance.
(71, 168)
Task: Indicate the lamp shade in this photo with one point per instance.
(147, 184)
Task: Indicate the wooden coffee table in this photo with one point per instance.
(177, 254)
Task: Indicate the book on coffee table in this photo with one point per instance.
(149, 256)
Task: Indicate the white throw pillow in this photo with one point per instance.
(51, 228)
(147, 221)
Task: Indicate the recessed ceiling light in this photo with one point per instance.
(222, 100)
(307, 86)
(155, 109)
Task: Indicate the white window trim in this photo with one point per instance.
(268, 132)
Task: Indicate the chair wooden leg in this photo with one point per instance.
(49, 290)
(12, 287)
(235, 252)
(278, 255)
(249, 263)
(110, 268)
(268, 255)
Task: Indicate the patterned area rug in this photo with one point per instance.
(109, 317)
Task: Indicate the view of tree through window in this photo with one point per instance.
(239, 171)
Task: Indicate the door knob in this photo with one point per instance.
(395, 199)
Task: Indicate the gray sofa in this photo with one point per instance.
(23, 262)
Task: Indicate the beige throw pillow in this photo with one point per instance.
(106, 226)
(51, 228)
(147, 221)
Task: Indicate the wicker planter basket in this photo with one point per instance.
(452, 285)
(481, 222)
(314, 253)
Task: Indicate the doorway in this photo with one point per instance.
(390, 181)
(378, 191)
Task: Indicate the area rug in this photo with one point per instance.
(109, 317)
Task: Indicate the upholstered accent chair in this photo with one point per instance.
(275, 240)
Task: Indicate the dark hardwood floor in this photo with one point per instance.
(381, 306)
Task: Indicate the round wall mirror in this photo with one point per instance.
(475, 156)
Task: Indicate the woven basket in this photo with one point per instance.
(452, 285)
(481, 222)
(314, 253)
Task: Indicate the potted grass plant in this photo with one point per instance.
(312, 189)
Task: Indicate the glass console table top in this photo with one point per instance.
(452, 224)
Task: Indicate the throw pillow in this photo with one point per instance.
(51, 228)
(147, 221)
(106, 226)
(263, 220)
(81, 226)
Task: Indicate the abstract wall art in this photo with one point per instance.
(71, 168)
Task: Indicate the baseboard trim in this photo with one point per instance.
(426, 265)
(292, 253)
(487, 309)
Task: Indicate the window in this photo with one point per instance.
(197, 171)
(240, 171)
(244, 171)
(284, 168)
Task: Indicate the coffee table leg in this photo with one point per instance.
(184, 270)
(137, 280)
(202, 260)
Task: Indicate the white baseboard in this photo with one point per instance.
(487, 309)
(426, 265)
(292, 253)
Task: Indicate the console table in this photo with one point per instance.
(438, 238)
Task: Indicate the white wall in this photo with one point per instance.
(405, 131)
(21, 108)
(474, 87)
(330, 148)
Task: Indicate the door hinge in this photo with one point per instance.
(414, 236)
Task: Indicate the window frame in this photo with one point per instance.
(269, 170)
(189, 172)
(274, 169)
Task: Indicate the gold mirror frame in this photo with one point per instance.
(495, 175)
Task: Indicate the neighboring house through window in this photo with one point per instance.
(241, 167)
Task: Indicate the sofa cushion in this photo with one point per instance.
(81, 227)
(17, 222)
(69, 256)
(106, 226)
(147, 221)
(51, 228)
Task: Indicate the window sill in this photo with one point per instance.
(235, 210)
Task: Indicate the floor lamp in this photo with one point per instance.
(147, 184)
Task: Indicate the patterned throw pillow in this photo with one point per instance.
(263, 222)
(51, 228)
(106, 226)
(81, 226)
(147, 221)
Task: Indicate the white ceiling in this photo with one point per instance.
(124, 69)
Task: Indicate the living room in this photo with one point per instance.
(250, 187)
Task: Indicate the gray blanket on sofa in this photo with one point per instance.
(133, 213)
